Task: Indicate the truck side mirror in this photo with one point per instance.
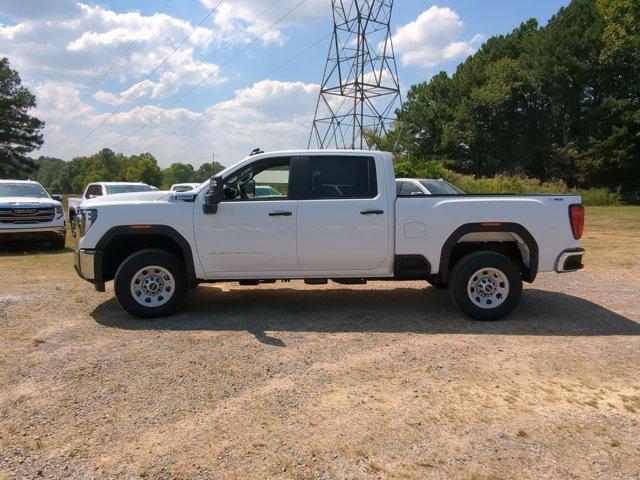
(57, 197)
(213, 197)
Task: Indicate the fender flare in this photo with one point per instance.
(156, 230)
(530, 273)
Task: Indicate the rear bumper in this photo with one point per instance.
(570, 260)
(33, 233)
(87, 262)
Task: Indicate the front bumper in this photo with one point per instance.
(32, 233)
(87, 264)
(570, 260)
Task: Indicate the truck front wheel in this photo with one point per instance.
(485, 285)
(150, 283)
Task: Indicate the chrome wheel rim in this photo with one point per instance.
(488, 288)
(152, 286)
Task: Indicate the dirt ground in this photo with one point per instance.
(292, 381)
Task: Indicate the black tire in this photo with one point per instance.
(438, 284)
(461, 291)
(134, 264)
(59, 243)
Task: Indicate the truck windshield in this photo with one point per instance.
(22, 190)
(111, 189)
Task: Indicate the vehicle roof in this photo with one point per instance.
(117, 183)
(33, 182)
(187, 183)
(328, 151)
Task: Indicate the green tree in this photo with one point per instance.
(20, 133)
(553, 102)
(177, 173)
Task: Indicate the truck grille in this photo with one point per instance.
(26, 215)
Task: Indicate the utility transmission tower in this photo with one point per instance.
(360, 87)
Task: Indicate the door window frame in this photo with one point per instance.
(304, 190)
(292, 189)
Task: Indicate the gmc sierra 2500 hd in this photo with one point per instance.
(333, 215)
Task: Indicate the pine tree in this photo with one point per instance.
(20, 133)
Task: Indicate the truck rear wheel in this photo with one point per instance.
(150, 283)
(485, 285)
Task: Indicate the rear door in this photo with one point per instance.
(343, 217)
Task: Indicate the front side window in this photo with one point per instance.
(327, 177)
(22, 190)
(263, 180)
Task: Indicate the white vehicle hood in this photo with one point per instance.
(33, 202)
(125, 198)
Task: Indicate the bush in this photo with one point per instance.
(502, 183)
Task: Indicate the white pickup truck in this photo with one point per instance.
(335, 215)
(28, 213)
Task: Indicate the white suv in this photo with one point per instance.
(28, 213)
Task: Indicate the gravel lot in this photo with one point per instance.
(291, 381)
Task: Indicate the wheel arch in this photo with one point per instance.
(121, 241)
(519, 235)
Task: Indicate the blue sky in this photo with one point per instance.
(64, 51)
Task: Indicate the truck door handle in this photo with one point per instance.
(280, 214)
(372, 212)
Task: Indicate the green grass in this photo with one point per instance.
(612, 236)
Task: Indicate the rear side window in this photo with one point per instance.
(326, 177)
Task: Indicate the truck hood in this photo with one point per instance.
(32, 202)
(126, 198)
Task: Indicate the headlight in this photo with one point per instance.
(88, 216)
(59, 211)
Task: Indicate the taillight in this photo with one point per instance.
(576, 217)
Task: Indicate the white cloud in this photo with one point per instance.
(81, 47)
(271, 114)
(233, 16)
(433, 38)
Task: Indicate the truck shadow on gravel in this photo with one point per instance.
(399, 310)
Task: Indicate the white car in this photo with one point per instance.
(29, 213)
(99, 189)
(336, 216)
(184, 187)
(425, 186)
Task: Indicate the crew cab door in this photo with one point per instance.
(254, 229)
(343, 214)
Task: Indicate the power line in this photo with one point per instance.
(224, 64)
(145, 79)
(115, 62)
(264, 77)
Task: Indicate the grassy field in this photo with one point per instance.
(612, 236)
(287, 380)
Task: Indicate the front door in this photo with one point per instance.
(343, 217)
(254, 229)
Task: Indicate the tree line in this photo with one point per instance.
(559, 102)
(71, 177)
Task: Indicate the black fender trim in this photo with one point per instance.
(529, 274)
(411, 267)
(161, 230)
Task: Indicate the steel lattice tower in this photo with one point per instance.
(360, 87)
